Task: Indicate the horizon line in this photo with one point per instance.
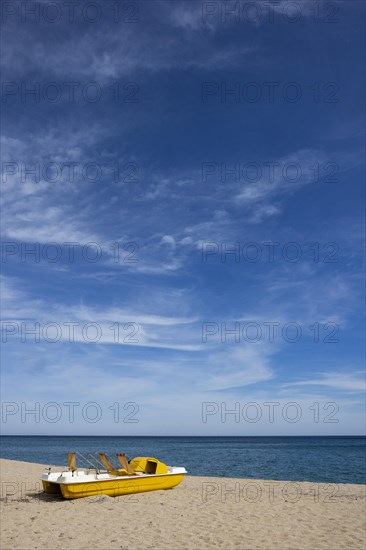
(114, 435)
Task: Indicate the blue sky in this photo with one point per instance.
(228, 134)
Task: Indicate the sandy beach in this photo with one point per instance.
(201, 513)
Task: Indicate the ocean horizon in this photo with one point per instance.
(323, 459)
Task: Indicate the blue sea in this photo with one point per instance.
(319, 459)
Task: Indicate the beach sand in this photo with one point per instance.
(201, 513)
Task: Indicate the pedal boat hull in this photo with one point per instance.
(81, 484)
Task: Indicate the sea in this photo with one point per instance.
(319, 459)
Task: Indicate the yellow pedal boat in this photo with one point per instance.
(135, 476)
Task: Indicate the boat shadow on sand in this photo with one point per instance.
(34, 497)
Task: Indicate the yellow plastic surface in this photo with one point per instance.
(147, 465)
(114, 488)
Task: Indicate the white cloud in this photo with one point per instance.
(169, 240)
(342, 381)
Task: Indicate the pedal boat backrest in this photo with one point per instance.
(71, 460)
(110, 468)
(125, 464)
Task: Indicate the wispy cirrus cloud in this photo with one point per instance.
(352, 381)
(172, 210)
(186, 43)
